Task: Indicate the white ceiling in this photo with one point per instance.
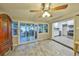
(21, 10)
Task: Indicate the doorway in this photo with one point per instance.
(62, 32)
(28, 32)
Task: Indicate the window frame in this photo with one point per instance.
(14, 29)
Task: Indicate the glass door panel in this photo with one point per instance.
(23, 33)
(30, 30)
(27, 30)
(36, 31)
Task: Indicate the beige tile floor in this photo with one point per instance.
(42, 48)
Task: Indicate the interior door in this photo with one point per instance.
(1, 36)
(4, 43)
(5, 34)
(10, 33)
(5, 28)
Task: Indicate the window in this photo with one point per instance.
(14, 28)
(40, 28)
(45, 27)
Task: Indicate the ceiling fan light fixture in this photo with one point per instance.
(46, 14)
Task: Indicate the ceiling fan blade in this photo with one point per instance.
(60, 7)
(35, 10)
(41, 9)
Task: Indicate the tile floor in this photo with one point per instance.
(65, 40)
(42, 48)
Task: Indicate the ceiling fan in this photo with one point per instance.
(47, 7)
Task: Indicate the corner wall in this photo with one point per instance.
(76, 32)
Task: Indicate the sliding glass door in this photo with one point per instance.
(23, 33)
(28, 32)
(36, 30)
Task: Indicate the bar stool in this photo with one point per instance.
(76, 44)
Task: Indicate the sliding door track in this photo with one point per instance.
(63, 44)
